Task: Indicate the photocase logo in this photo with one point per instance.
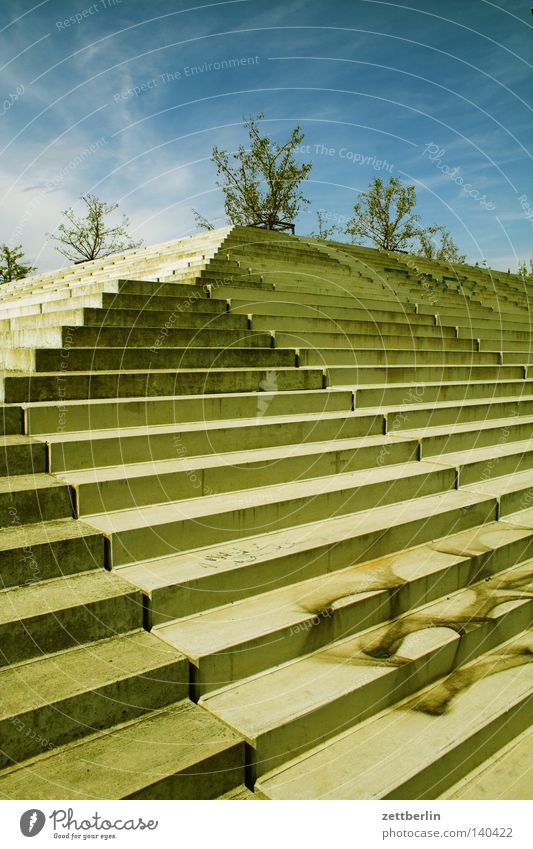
(32, 822)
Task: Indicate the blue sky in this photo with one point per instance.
(126, 99)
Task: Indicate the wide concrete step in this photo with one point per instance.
(457, 723)
(240, 639)
(462, 436)
(33, 498)
(334, 303)
(132, 318)
(182, 584)
(109, 302)
(348, 356)
(388, 373)
(45, 550)
(157, 357)
(135, 337)
(334, 339)
(514, 490)
(156, 382)
(99, 285)
(494, 336)
(406, 394)
(290, 708)
(507, 774)
(157, 530)
(273, 310)
(286, 322)
(489, 322)
(192, 755)
(446, 414)
(72, 416)
(53, 700)
(109, 447)
(491, 461)
(155, 482)
(52, 615)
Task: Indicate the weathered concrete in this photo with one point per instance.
(305, 467)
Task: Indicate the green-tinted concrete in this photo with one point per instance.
(306, 468)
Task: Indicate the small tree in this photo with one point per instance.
(323, 231)
(526, 273)
(11, 267)
(82, 239)
(437, 244)
(201, 221)
(384, 215)
(264, 164)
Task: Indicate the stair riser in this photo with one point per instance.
(26, 735)
(308, 339)
(397, 421)
(296, 324)
(11, 420)
(420, 374)
(22, 459)
(485, 470)
(175, 486)
(31, 637)
(59, 417)
(122, 385)
(123, 337)
(28, 506)
(425, 393)
(433, 446)
(207, 779)
(156, 358)
(328, 357)
(30, 563)
(176, 445)
(331, 304)
(92, 317)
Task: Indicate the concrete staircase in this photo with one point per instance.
(266, 526)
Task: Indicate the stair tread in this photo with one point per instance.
(215, 559)
(464, 427)
(367, 762)
(234, 624)
(502, 484)
(273, 698)
(49, 531)
(65, 674)
(23, 483)
(486, 452)
(40, 598)
(114, 763)
(508, 774)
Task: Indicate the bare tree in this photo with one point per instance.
(82, 239)
(201, 221)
